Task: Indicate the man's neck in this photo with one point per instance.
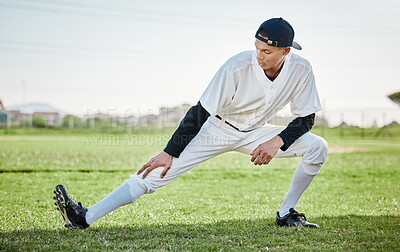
(273, 73)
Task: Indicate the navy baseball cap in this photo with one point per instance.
(280, 33)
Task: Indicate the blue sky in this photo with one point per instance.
(139, 55)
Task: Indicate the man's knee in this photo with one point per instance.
(153, 181)
(136, 181)
(316, 151)
(310, 169)
(145, 183)
(135, 187)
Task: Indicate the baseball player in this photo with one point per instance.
(231, 115)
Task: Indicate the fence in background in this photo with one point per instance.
(380, 119)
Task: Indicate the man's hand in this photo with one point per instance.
(163, 159)
(265, 152)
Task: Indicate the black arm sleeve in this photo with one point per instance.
(295, 129)
(187, 130)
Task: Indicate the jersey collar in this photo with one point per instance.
(262, 78)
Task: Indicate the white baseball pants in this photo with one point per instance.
(216, 137)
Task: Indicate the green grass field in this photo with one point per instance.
(226, 203)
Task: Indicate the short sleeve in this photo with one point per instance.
(219, 92)
(306, 100)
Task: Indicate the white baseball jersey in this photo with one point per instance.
(241, 93)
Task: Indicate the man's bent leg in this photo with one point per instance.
(314, 150)
(300, 183)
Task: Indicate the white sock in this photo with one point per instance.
(127, 193)
(300, 182)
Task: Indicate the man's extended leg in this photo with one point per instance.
(214, 138)
(125, 194)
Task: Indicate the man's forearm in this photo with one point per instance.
(296, 128)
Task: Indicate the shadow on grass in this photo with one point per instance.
(338, 233)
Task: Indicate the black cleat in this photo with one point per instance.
(293, 219)
(72, 212)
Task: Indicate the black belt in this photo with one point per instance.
(217, 116)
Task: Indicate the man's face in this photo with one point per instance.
(270, 58)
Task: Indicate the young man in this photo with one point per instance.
(232, 115)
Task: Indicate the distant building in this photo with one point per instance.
(21, 115)
(174, 115)
(147, 120)
(131, 121)
(99, 119)
(16, 115)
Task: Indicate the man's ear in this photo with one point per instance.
(286, 51)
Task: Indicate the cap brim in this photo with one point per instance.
(296, 45)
